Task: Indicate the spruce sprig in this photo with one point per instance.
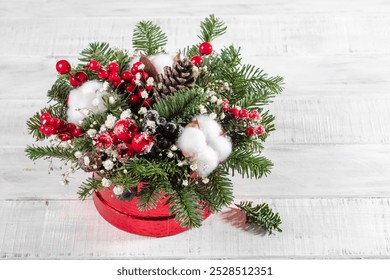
(261, 215)
(99, 51)
(211, 28)
(34, 152)
(149, 38)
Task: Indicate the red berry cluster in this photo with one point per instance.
(53, 126)
(77, 79)
(125, 139)
(248, 116)
(140, 92)
(204, 49)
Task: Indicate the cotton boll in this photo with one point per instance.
(161, 60)
(192, 140)
(207, 160)
(209, 126)
(85, 99)
(222, 145)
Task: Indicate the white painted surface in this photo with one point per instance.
(331, 180)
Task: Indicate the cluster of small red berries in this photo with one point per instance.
(77, 79)
(53, 126)
(204, 49)
(244, 114)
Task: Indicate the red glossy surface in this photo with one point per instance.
(126, 216)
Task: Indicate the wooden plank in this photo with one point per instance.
(299, 171)
(319, 76)
(287, 35)
(155, 8)
(312, 228)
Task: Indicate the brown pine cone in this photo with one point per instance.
(180, 76)
(90, 162)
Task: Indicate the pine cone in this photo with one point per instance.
(180, 76)
(90, 162)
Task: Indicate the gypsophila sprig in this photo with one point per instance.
(160, 132)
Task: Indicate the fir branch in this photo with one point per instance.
(59, 91)
(211, 28)
(82, 144)
(94, 121)
(149, 38)
(248, 164)
(220, 189)
(118, 106)
(99, 51)
(184, 204)
(149, 197)
(261, 215)
(34, 152)
(231, 56)
(88, 187)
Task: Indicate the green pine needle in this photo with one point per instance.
(34, 152)
(211, 28)
(261, 215)
(149, 38)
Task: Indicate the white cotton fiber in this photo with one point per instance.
(82, 100)
(222, 145)
(192, 140)
(209, 127)
(161, 60)
(207, 161)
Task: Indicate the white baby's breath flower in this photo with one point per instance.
(142, 111)
(106, 183)
(222, 116)
(170, 154)
(213, 116)
(219, 101)
(111, 99)
(180, 163)
(173, 148)
(202, 109)
(78, 154)
(86, 161)
(185, 183)
(91, 132)
(150, 81)
(126, 114)
(108, 164)
(213, 99)
(194, 166)
(110, 121)
(103, 128)
(205, 180)
(118, 190)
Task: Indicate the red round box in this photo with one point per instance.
(126, 216)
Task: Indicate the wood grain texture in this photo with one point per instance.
(299, 171)
(326, 228)
(287, 35)
(156, 8)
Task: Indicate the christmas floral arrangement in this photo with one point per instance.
(180, 122)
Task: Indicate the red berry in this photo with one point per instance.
(142, 143)
(76, 132)
(235, 112)
(148, 102)
(114, 77)
(259, 130)
(70, 127)
(205, 48)
(197, 60)
(63, 126)
(243, 113)
(103, 141)
(48, 130)
(134, 99)
(54, 122)
(67, 100)
(144, 76)
(113, 66)
(254, 115)
(94, 65)
(103, 74)
(137, 67)
(42, 128)
(250, 132)
(126, 75)
(125, 130)
(63, 67)
(129, 88)
(65, 136)
(45, 116)
(149, 88)
(116, 83)
(143, 93)
(225, 105)
(134, 80)
(78, 78)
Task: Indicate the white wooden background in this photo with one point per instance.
(331, 180)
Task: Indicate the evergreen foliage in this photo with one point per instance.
(149, 38)
(261, 215)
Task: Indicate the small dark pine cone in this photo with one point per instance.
(90, 162)
(180, 76)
